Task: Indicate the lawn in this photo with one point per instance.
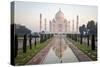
(23, 58)
(86, 49)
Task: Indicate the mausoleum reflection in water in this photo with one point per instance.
(59, 50)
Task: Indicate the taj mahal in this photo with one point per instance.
(59, 23)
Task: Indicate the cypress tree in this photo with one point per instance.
(81, 41)
(41, 38)
(35, 42)
(93, 42)
(88, 40)
(30, 41)
(16, 45)
(24, 43)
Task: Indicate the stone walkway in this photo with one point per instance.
(79, 54)
(41, 55)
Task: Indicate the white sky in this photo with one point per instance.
(28, 13)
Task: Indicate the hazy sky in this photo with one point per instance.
(28, 13)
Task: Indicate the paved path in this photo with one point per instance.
(79, 54)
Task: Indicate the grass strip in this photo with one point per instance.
(86, 49)
(23, 58)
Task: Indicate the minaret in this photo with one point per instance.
(40, 22)
(73, 26)
(53, 28)
(65, 21)
(69, 26)
(45, 24)
(77, 23)
(66, 27)
(50, 25)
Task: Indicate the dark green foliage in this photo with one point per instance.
(82, 29)
(92, 27)
(25, 43)
(30, 41)
(35, 42)
(36, 35)
(86, 32)
(73, 37)
(41, 38)
(23, 58)
(93, 43)
(81, 38)
(16, 45)
(88, 40)
(20, 30)
(76, 37)
(45, 37)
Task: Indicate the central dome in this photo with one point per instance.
(59, 15)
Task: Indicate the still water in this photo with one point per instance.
(60, 52)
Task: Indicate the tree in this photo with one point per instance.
(16, 45)
(35, 35)
(88, 39)
(93, 43)
(25, 43)
(91, 26)
(30, 42)
(41, 38)
(82, 30)
(96, 29)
